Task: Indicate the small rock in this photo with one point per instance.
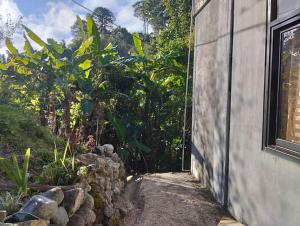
(2, 215)
(99, 150)
(108, 149)
(41, 207)
(85, 186)
(88, 201)
(88, 215)
(115, 157)
(61, 218)
(108, 211)
(76, 220)
(55, 194)
(73, 200)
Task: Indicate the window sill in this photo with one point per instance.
(283, 151)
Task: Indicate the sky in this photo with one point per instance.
(53, 18)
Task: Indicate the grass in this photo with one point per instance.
(20, 129)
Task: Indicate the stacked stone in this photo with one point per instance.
(56, 208)
(92, 202)
(106, 176)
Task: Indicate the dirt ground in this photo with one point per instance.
(171, 199)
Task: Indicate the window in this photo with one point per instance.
(282, 119)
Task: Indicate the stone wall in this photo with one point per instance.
(94, 200)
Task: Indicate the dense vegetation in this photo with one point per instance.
(106, 86)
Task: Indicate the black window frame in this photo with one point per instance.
(272, 88)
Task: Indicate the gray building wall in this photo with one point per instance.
(210, 95)
(264, 187)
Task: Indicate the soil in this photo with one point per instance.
(171, 199)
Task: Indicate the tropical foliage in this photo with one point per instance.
(121, 88)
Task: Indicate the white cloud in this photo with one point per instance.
(9, 12)
(122, 10)
(55, 23)
(125, 18)
(110, 4)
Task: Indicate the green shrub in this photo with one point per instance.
(61, 171)
(17, 174)
(10, 202)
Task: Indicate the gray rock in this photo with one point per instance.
(20, 217)
(61, 218)
(115, 157)
(76, 220)
(28, 223)
(88, 201)
(88, 215)
(108, 211)
(41, 207)
(108, 149)
(2, 215)
(55, 194)
(73, 200)
(85, 186)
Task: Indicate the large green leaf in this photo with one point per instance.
(81, 27)
(93, 32)
(138, 44)
(139, 145)
(118, 126)
(90, 24)
(84, 46)
(27, 47)
(25, 169)
(109, 46)
(59, 48)
(3, 66)
(35, 38)
(86, 66)
(11, 47)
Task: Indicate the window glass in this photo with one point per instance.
(289, 96)
(285, 6)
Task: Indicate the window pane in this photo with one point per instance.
(286, 6)
(289, 112)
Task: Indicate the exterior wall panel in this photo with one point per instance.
(210, 88)
(264, 187)
(261, 192)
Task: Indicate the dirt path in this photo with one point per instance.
(171, 199)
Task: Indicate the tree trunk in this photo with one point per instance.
(52, 114)
(67, 115)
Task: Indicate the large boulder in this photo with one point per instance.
(76, 220)
(73, 200)
(61, 218)
(88, 215)
(88, 201)
(38, 207)
(55, 194)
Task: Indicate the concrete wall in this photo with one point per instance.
(210, 95)
(264, 187)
